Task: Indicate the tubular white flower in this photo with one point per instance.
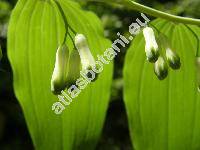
(59, 76)
(151, 46)
(87, 60)
(173, 59)
(160, 68)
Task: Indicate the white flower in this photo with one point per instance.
(173, 59)
(160, 68)
(87, 60)
(59, 76)
(151, 46)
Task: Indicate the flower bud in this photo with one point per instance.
(151, 46)
(173, 59)
(59, 76)
(74, 67)
(87, 60)
(161, 68)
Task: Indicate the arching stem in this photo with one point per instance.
(150, 11)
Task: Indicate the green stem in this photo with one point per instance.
(151, 25)
(65, 21)
(72, 40)
(198, 50)
(153, 12)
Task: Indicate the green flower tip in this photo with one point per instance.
(151, 46)
(90, 76)
(59, 76)
(173, 59)
(161, 68)
(152, 55)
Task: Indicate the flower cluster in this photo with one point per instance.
(161, 54)
(68, 65)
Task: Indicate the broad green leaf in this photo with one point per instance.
(163, 115)
(36, 29)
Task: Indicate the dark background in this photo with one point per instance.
(115, 136)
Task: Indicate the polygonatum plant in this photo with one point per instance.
(36, 30)
(50, 41)
(163, 114)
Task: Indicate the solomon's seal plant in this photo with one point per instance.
(67, 67)
(172, 57)
(68, 64)
(161, 115)
(160, 57)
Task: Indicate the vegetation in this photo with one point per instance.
(147, 98)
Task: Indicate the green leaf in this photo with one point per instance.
(36, 29)
(163, 115)
(196, 31)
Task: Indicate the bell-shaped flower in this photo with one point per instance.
(151, 46)
(87, 60)
(59, 76)
(161, 68)
(173, 59)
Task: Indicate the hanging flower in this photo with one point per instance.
(173, 59)
(151, 46)
(59, 76)
(161, 68)
(87, 60)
